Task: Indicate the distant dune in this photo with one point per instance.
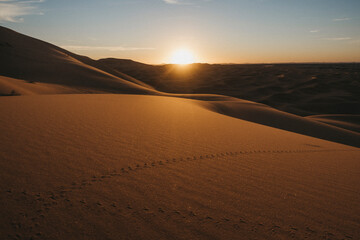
(303, 89)
(132, 161)
(32, 66)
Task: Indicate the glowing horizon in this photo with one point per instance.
(182, 56)
(229, 31)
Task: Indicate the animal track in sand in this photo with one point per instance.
(30, 221)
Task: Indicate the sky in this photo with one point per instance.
(214, 31)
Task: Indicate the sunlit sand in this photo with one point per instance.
(89, 152)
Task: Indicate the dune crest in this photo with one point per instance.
(346, 121)
(33, 60)
(47, 69)
(262, 114)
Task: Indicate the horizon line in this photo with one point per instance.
(231, 63)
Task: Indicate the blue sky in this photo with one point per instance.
(216, 31)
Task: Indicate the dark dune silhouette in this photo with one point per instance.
(33, 60)
(302, 89)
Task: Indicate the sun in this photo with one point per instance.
(182, 57)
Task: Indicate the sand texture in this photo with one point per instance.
(88, 151)
(149, 167)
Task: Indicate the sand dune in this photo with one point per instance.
(268, 116)
(302, 89)
(151, 167)
(12, 86)
(345, 121)
(32, 60)
(159, 165)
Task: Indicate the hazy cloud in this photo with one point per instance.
(184, 2)
(338, 38)
(14, 10)
(172, 1)
(112, 49)
(314, 31)
(341, 19)
(355, 41)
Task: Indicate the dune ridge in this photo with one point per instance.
(346, 121)
(33, 60)
(47, 69)
(265, 115)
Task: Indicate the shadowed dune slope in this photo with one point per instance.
(302, 89)
(346, 121)
(14, 87)
(152, 167)
(262, 114)
(32, 60)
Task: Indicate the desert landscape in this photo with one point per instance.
(118, 149)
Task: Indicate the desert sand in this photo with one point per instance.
(90, 152)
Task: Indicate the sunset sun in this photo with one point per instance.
(182, 57)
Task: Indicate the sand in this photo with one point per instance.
(150, 167)
(17, 87)
(155, 165)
